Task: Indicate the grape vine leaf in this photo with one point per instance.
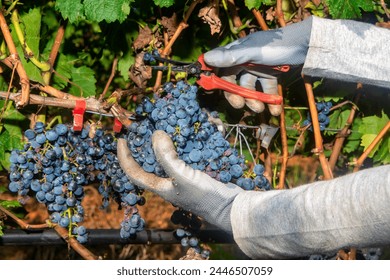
(11, 137)
(353, 140)
(370, 128)
(108, 10)
(31, 27)
(164, 3)
(10, 204)
(70, 9)
(337, 120)
(349, 8)
(383, 155)
(63, 72)
(124, 65)
(83, 82)
(255, 4)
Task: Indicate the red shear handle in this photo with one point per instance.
(210, 82)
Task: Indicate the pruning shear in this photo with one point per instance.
(210, 81)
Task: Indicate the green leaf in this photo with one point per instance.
(83, 82)
(31, 26)
(370, 128)
(373, 124)
(8, 142)
(10, 204)
(12, 137)
(164, 3)
(255, 4)
(349, 8)
(70, 9)
(63, 72)
(108, 10)
(250, 4)
(383, 155)
(366, 141)
(124, 65)
(337, 120)
(353, 140)
(11, 140)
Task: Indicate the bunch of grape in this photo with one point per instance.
(57, 163)
(198, 142)
(323, 109)
(150, 57)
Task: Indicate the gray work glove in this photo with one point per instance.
(186, 188)
(317, 218)
(320, 217)
(284, 46)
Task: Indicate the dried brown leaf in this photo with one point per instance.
(170, 24)
(270, 14)
(316, 2)
(145, 36)
(210, 15)
(139, 72)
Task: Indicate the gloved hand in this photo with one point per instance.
(321, 217)
(284, 46)
(186, 188)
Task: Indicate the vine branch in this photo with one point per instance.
(112, 75)
(57, 44)
(316, 128)
(92, 104)
(279, 13)
(342, 135)
(283, 136)
(235, 22)
(15, 60)
(20, 222)
(260, 19)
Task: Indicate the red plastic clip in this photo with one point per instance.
(117, 126)
(78, 114)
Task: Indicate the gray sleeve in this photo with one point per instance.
(350, 51)
(322, 217)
